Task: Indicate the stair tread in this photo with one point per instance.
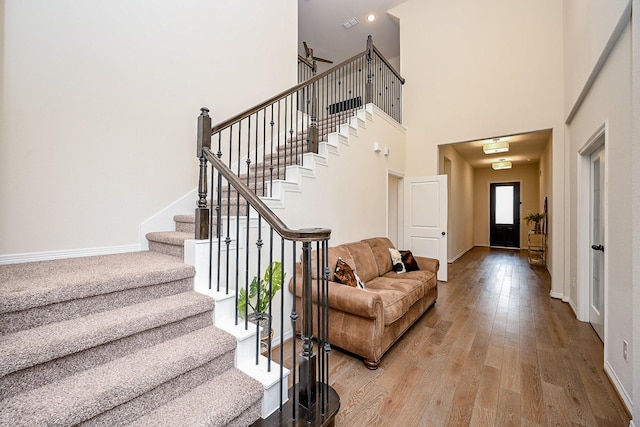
(196, 408)
(184, 218)
(176, 238)
(86, 394)
(41, 283)
(31, 347)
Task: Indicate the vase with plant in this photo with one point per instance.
(256, 303)
(535, 218)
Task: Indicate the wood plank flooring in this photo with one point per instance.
(495, 350)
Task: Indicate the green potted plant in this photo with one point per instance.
(535, 218)
(257, 310)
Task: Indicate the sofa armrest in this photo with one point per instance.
(359, 302)
(429, 264)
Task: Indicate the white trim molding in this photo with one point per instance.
(583, 226)
(70, 253)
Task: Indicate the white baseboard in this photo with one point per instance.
(456, 257)
(622, 392)
(71, 253)
(556, 295)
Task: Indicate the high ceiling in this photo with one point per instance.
(320, 24)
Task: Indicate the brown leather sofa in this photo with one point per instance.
(368, 321)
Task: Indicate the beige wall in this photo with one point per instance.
(527, 175)
(100, 101)
(478, 70)
(460, 208)
(588, 26)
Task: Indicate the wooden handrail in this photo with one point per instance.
(302, 235)
(253, 110)
(305, 60)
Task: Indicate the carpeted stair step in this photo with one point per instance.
(168, 242)
(195, 408)
(118, 391)
(185, 224)
(43, 292)
(34, 357)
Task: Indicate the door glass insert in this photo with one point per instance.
(504, 204)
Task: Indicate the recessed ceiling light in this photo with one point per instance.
(371, 18)
(350, 23)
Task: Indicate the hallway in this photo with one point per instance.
(495, 350)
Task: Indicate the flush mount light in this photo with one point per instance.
(496, 146)
(350, 23)
(501, 165)
(371, 18)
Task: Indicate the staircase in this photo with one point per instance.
(116, 340)
(124, 339)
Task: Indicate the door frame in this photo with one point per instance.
(583, 224)
(399, 207)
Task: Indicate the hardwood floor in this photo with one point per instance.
(494, 350)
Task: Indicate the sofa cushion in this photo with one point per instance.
(345, 275)
(427, 278)
(409, 261)
(334, 253)
(380, 248)
(364, 261)
(396, 261)
(398, 294)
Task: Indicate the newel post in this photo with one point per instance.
(368, 90)
(204, 140)
(307, 359)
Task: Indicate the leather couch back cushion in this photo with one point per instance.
(380, 248)
(335, 252)
(365, 262)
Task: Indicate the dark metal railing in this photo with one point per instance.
(261, 142)
(259, 239)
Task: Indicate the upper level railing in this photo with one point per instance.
(259, 143)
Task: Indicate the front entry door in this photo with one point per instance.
(425, 218)
(504, 227)
(596, 276)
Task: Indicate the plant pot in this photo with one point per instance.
(263, 320)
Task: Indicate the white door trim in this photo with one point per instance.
(583, 222)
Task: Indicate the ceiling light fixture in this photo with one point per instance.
(371, 18)
(496, 146)
(501, 165)
(350, 23)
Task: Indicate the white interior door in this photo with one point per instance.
(596, 268)
(425, 218)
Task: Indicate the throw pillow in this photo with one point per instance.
(345, 275)
(409, 261)
(396, 261)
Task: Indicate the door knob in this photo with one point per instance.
(443, 233)
(597, 248)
